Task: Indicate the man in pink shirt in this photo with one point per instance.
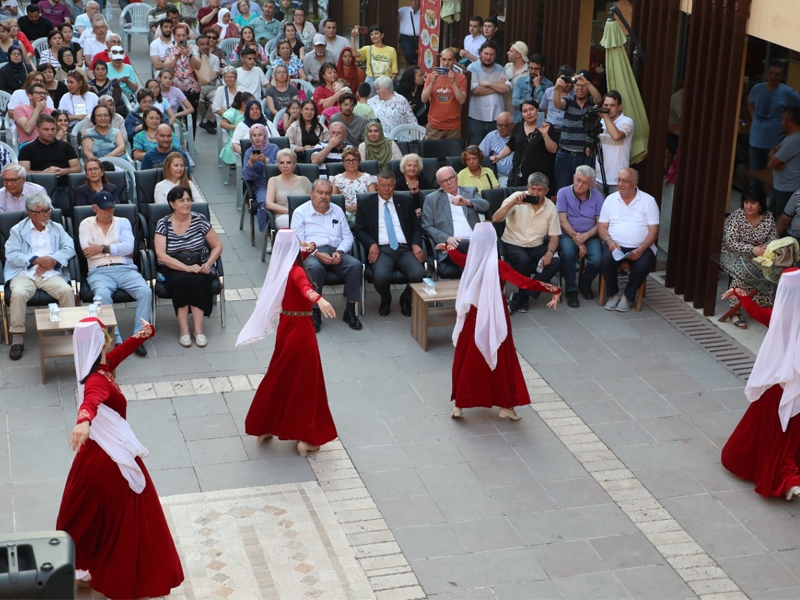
(25, 115)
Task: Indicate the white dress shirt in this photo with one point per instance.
(119, 240)
(40, 246)
(409, 21)
(383, 236)
(328, 229)
(461, 228)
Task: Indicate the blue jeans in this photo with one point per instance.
(409, 45)
(569, 256)
(566, 163)
(104, 281)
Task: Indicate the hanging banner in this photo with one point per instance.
(430, 23)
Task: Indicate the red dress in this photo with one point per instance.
(121, 537)
(291, 402)
(474, 383)
(760, 451)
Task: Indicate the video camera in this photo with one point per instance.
(592, 121)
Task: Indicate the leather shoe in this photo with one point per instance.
(351, 319)
(316, 318)
(141, 351)
(385, 308)
(405, 307)
(208, 126)
(587, 293)
(572, 299)
(16, 351)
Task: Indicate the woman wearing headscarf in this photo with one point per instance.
(253, 114)
(66, 61)
(486, 369)
(377, 146)
(13, 73)
(348, 70)
(291, 401)
(765, 446)
(110, 508)
(254, 168)
(225, 26)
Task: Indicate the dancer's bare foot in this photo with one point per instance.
(456, 414)
(793, 491)
(304, 448)
(263, 438)
(509, 413)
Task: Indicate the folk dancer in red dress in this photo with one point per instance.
(110, 508)
(486, 369)
(291, 401)
(765, 446)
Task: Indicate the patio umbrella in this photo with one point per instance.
(619, 75)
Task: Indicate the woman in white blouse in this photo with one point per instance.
(79, 102)
(174, 175)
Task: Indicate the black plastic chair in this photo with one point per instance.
(146, 181)
(441, 149)
(429, 168)
(365, 166)
(280, 142)
(458, 165)
(495, 199)
(40, 298)
(47, 180)
(124, 211)
(309, 171)
(154, 215)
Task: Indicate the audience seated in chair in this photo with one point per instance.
(16, 190)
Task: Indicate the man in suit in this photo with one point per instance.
(390, 231)
(449, 215)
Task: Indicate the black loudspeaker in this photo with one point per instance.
(39, 564)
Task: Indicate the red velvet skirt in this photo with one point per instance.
(760, 451)
(291, 402)
(475, 384)
(121, 537)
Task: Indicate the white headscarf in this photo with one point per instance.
(223, 27)
(268, 307)
(108, 429)
(480, 287)
(778, 359)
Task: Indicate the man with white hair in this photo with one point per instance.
(38, 252)
(390, 108)
(95, 44)
(84, 21)
(331, 151)
(449, 215)
(112, 39)
(15, 189)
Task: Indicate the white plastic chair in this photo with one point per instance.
(77, 129)
(12, 136)
(227, 46)
(307, 87)
(11, 151)
(40, 44)
(222, 138)
(138, 21)
(323, 120)
(272, 129)
(5, 98)
(407, 133)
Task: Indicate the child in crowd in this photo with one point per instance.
(362, 109)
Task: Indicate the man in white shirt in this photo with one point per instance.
(489, 87)
(208, 77)
(616, 140)
(335, 43)
(325, 224)
(107, 242)
(160, 45)
(408, 17)
(37, 258)
(96, 43)
(15, 189)
(473, 42)
(250, 78)
(628, 226)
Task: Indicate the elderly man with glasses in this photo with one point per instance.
(494, 143)
(38, 252)
(15, 189)
(578, 207)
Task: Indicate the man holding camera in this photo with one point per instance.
(615, 140)
(531, 236)
(446, 91)
(572, 147)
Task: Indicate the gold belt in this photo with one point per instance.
(296, 313)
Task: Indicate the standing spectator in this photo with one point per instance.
(266, 27)
(38, 251)
(629, 223)
(182, 60)
(572, 149)
(553, 115)
(16, 190)
(410, 87)
(353, 123)
(390, 108)
(208, 78)
(766, 103)
(616, 139)
(251, 78)
(54, 11)
(160, 45)
(784, 161)
(495, 142)
(489, 86)
(408, 17)
(578, 209)
(25, 116)
(490, 32)
(79, 102)
(532, 87)
(381, 59)
(531, 236)
(335, 43)
(348, 70)
(473, 41)
(517, 66)
(314, 61)
(33, 24)
(445, 95)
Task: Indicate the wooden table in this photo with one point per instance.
(55, 339)
(424, 316)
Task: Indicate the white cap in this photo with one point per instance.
(116, 52)
(319, 39)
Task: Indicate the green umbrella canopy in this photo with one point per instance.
(619, 75)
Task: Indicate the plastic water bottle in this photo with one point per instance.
(109, 13)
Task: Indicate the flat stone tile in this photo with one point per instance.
(388, 485)
(658, 582)
(170, 482)
(705, 370)
(665, 383)
(502, 472)
(200, 405)
(609, 366)
(367, 432)
(672, 342)
(580, 391)
(546, 456)
(484, 447)
(435, 452)
(39, 455)
(164, 440)
(652, 327)
(565, 559)
(379, 458)
(253, 473)
(776, 533)
(585, 351)
(627, 551)
(665, 455)
(486, 534)
(416, 430)
(208, 427)
(217, 451)
(476, 422)
(689, 403)
(666, 483)
(632, 347)
(782, 594)
(523, 498)
(650, 363)
(405, 407)
(36, 504)
(474, 594)
(411, 512)
(647, 405)
(40, 419)
(428, 541)
(789, 559)
(572, 524)
(600, 586)
(559, 372)
(574, 493)
(604, 411)
(530, 590)
(620, 435)
(744, 504)
(671, 429)
(717, 426)
(715, 478)
(758, 573)
(450, 485)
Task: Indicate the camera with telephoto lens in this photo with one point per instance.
(592, 121)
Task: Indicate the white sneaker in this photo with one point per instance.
(612, 302)
(624, 305)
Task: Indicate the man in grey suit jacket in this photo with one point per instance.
(449, 215)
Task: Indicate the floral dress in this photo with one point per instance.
(738, 238)
(350, 189)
